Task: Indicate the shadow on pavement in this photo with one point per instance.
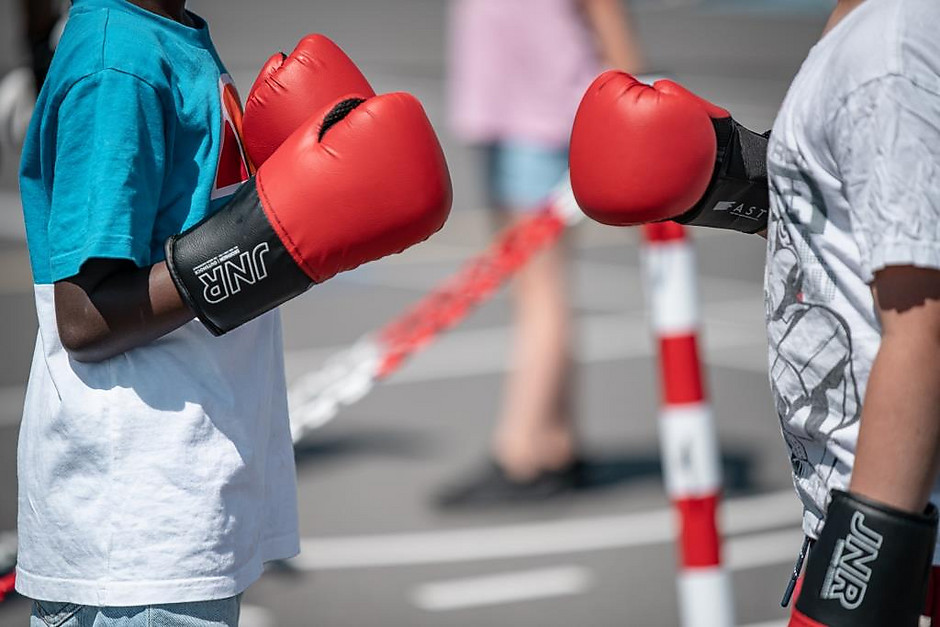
(614, 469)
(398, 442)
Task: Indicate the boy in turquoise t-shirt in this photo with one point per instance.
(155, 462)
(155, 465)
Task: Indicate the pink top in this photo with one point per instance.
(518, 69)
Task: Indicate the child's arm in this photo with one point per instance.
(105, 188)
(898, 454)
(105, 198)
(870, 563)
(111, 306)
(614, 33)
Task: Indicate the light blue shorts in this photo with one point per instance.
(522, 175)
(220, 613)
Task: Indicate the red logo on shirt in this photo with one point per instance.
(233, 168)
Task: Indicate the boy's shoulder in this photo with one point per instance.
(884, 39)
(103, 39)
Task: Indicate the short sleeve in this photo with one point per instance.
(887, 147)
(110, 152)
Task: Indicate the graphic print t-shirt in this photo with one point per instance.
(164, 474)
(854, 168)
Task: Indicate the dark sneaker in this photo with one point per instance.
(492, 486)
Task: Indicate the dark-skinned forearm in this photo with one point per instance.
(104, 313)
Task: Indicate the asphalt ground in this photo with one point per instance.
(376, 551)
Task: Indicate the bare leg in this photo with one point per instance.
(536, 431)
(534, 445)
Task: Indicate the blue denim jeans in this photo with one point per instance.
(521, 175)
(221, 613)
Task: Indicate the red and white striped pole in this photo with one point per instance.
(688, 442)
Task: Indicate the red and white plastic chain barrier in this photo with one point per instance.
(7, 584)
(316, 397)
(689, 446)
(7, 564)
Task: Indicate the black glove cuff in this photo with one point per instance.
(869, 567)
(231, 267)
(737, 198)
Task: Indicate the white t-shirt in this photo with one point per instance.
(162, 475)
(854, 171)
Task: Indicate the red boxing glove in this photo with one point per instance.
(371, 185)
(642, 153)
(365, 180)
(291, 88)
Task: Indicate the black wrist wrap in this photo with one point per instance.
(737, 198)
(231, 267)
(870, 565)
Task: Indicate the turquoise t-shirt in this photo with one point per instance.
(124, 148)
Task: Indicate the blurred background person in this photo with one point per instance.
(517, 73)
(42, 28)
(41, 24)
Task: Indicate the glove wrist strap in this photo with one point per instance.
(737, 198)
(870, 566)
(232, 267)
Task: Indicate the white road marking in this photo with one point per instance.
(765, 549)
(502, 588)
(454, 594)
(602, 338)
(11, 405)
(742, 515)
(739, 343)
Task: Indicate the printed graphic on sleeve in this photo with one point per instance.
(811, 351)
(233, 168)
